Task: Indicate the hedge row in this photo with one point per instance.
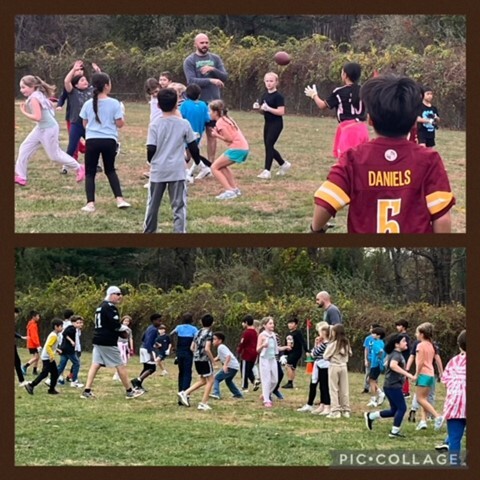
(83, 296)
(314, 60)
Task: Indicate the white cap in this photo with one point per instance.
(111, 290)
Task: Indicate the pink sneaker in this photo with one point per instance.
(80, 173)
(268, 405)
(20, 181)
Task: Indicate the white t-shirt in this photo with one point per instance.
(223, 352)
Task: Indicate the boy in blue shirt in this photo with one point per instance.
(377, 355)
(367, 345)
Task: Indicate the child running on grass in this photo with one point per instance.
(267, 349)
(395, 375)
(40, 110)
(227, 130)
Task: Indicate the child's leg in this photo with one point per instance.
(343, 393)
(198, 384)
(74, 135)
(312, 391)
(208, 388)
(50, 143)
(230, 178)
(43, 374)
(218, 171)
(455, 428)
(18, 367)
(178, 202)
(155, 194)
(324, 391)
(422, 394)
(265, 375)
(273, 364)
(231, 385)
(27, 149)
(92, 155)
(393, 400)
(109, 152)
(333, 387)
(271, 133)
(53, 370)
(219, 377)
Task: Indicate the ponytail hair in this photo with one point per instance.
(99, 81)
(222, 110)
(353, 71)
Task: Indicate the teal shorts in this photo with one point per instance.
(235, 155)
(425, 381)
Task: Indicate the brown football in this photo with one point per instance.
(282, 58)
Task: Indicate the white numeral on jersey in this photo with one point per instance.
(385, 210)
(98, 320)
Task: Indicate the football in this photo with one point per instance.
(282, 58)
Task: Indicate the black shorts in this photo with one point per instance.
(149, 366)
(33, 351)
(292, 361)
(204, 368)
(427, 141)
(374, 373)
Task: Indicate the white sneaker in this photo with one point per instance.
(123, 204)
(334, 415)
(381, 398)
(204, 406)
(372, 403)
(164, 372)
(305, 408)
(226, 195)
(116, 377)
(422, 425)
(438, 423)
(204, 172)
(47, 382)
(76, 384)
(238, 192)
(183, 398)
(284, 168)
(216, 397)
(190, 179)
(22, 384)
(146, 185)
(89, 208)
(266, 175)
(346, 414)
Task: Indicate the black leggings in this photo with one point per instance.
(106, 147)
(18, 367)
(271, 132)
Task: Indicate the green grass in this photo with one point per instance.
(153, 430)
(51, 202)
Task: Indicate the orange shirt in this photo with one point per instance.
(33, 336)
(426, 353)
(232, 135)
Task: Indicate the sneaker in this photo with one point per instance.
(24, 370)
(89, 208)
(204, 172)
(61, 382)
(381, 398)
(268, 404)
(123, 204)
(238, 192)
(318, 410)
(63, 171)
(346, 414)
(204, 406)
(411, 416)
(136, 392)
(284, 168)
(288, 385)
(29, 388)
(305, 408)
(80, 174)
(47, 382)
(189, 179)
(20, 181)
(146, 185)
(53, 392)
(396, 435)
(372, 403)
(368, 420)
(442, 447)
(226, 195)
(438, 423)
(279, 395)
(183, 398)
(164, 373)
(116, 377)
(136, 383)
(334, 415)
(87, 395)
(422, 425)
(266, 175)
(76, 384)
(245, 390)
(256, 385)
(22, 384)
(213, 395)
(325, 412)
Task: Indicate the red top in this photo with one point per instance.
(392, 186)
(247, 348)
(33, 337)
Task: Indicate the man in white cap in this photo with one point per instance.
(105, 349)
(331, 313)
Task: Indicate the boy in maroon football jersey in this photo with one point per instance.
(391, 185)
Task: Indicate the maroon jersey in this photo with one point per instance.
(392, 186)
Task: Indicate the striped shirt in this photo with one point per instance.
(455, 379)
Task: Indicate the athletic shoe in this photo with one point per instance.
(396, 435)
(136, 392)
(164, 373)
(422, 425)
(89, 208)
(411, 416)
(318, 410)
(189, 179)
(226, 195)
(24, 370)
(334, 415)
(284, 168)
(61, 382)
(245, 390)
(442, 447)
(53, 392)
(268, 404)
(288, 385)
(146, 185)
(346, 414)
(47, 382)
(136, 383)
(80, 174)
(123, 204)
(325, 412)
(265, 175)
(238, 192)
(216, 397)
(372, 403)
(76, 385)
(116, 377)
(204, 172)
(305, 408)
(381, 398)
(438, 423)
(29, 388)
(256, 385)
(183, 398)
(279, 395)
(22, 384)
(204, 406)
(63, 171)
(368, 420)
(87, 395)
(20, 181)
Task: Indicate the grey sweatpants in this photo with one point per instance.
(48, 139)
(178, 200)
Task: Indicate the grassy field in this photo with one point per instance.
(51, 202)
(153, 430)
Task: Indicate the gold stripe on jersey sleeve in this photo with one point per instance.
(333, 195)
(437, 201)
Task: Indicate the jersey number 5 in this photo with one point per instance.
(386, 209)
